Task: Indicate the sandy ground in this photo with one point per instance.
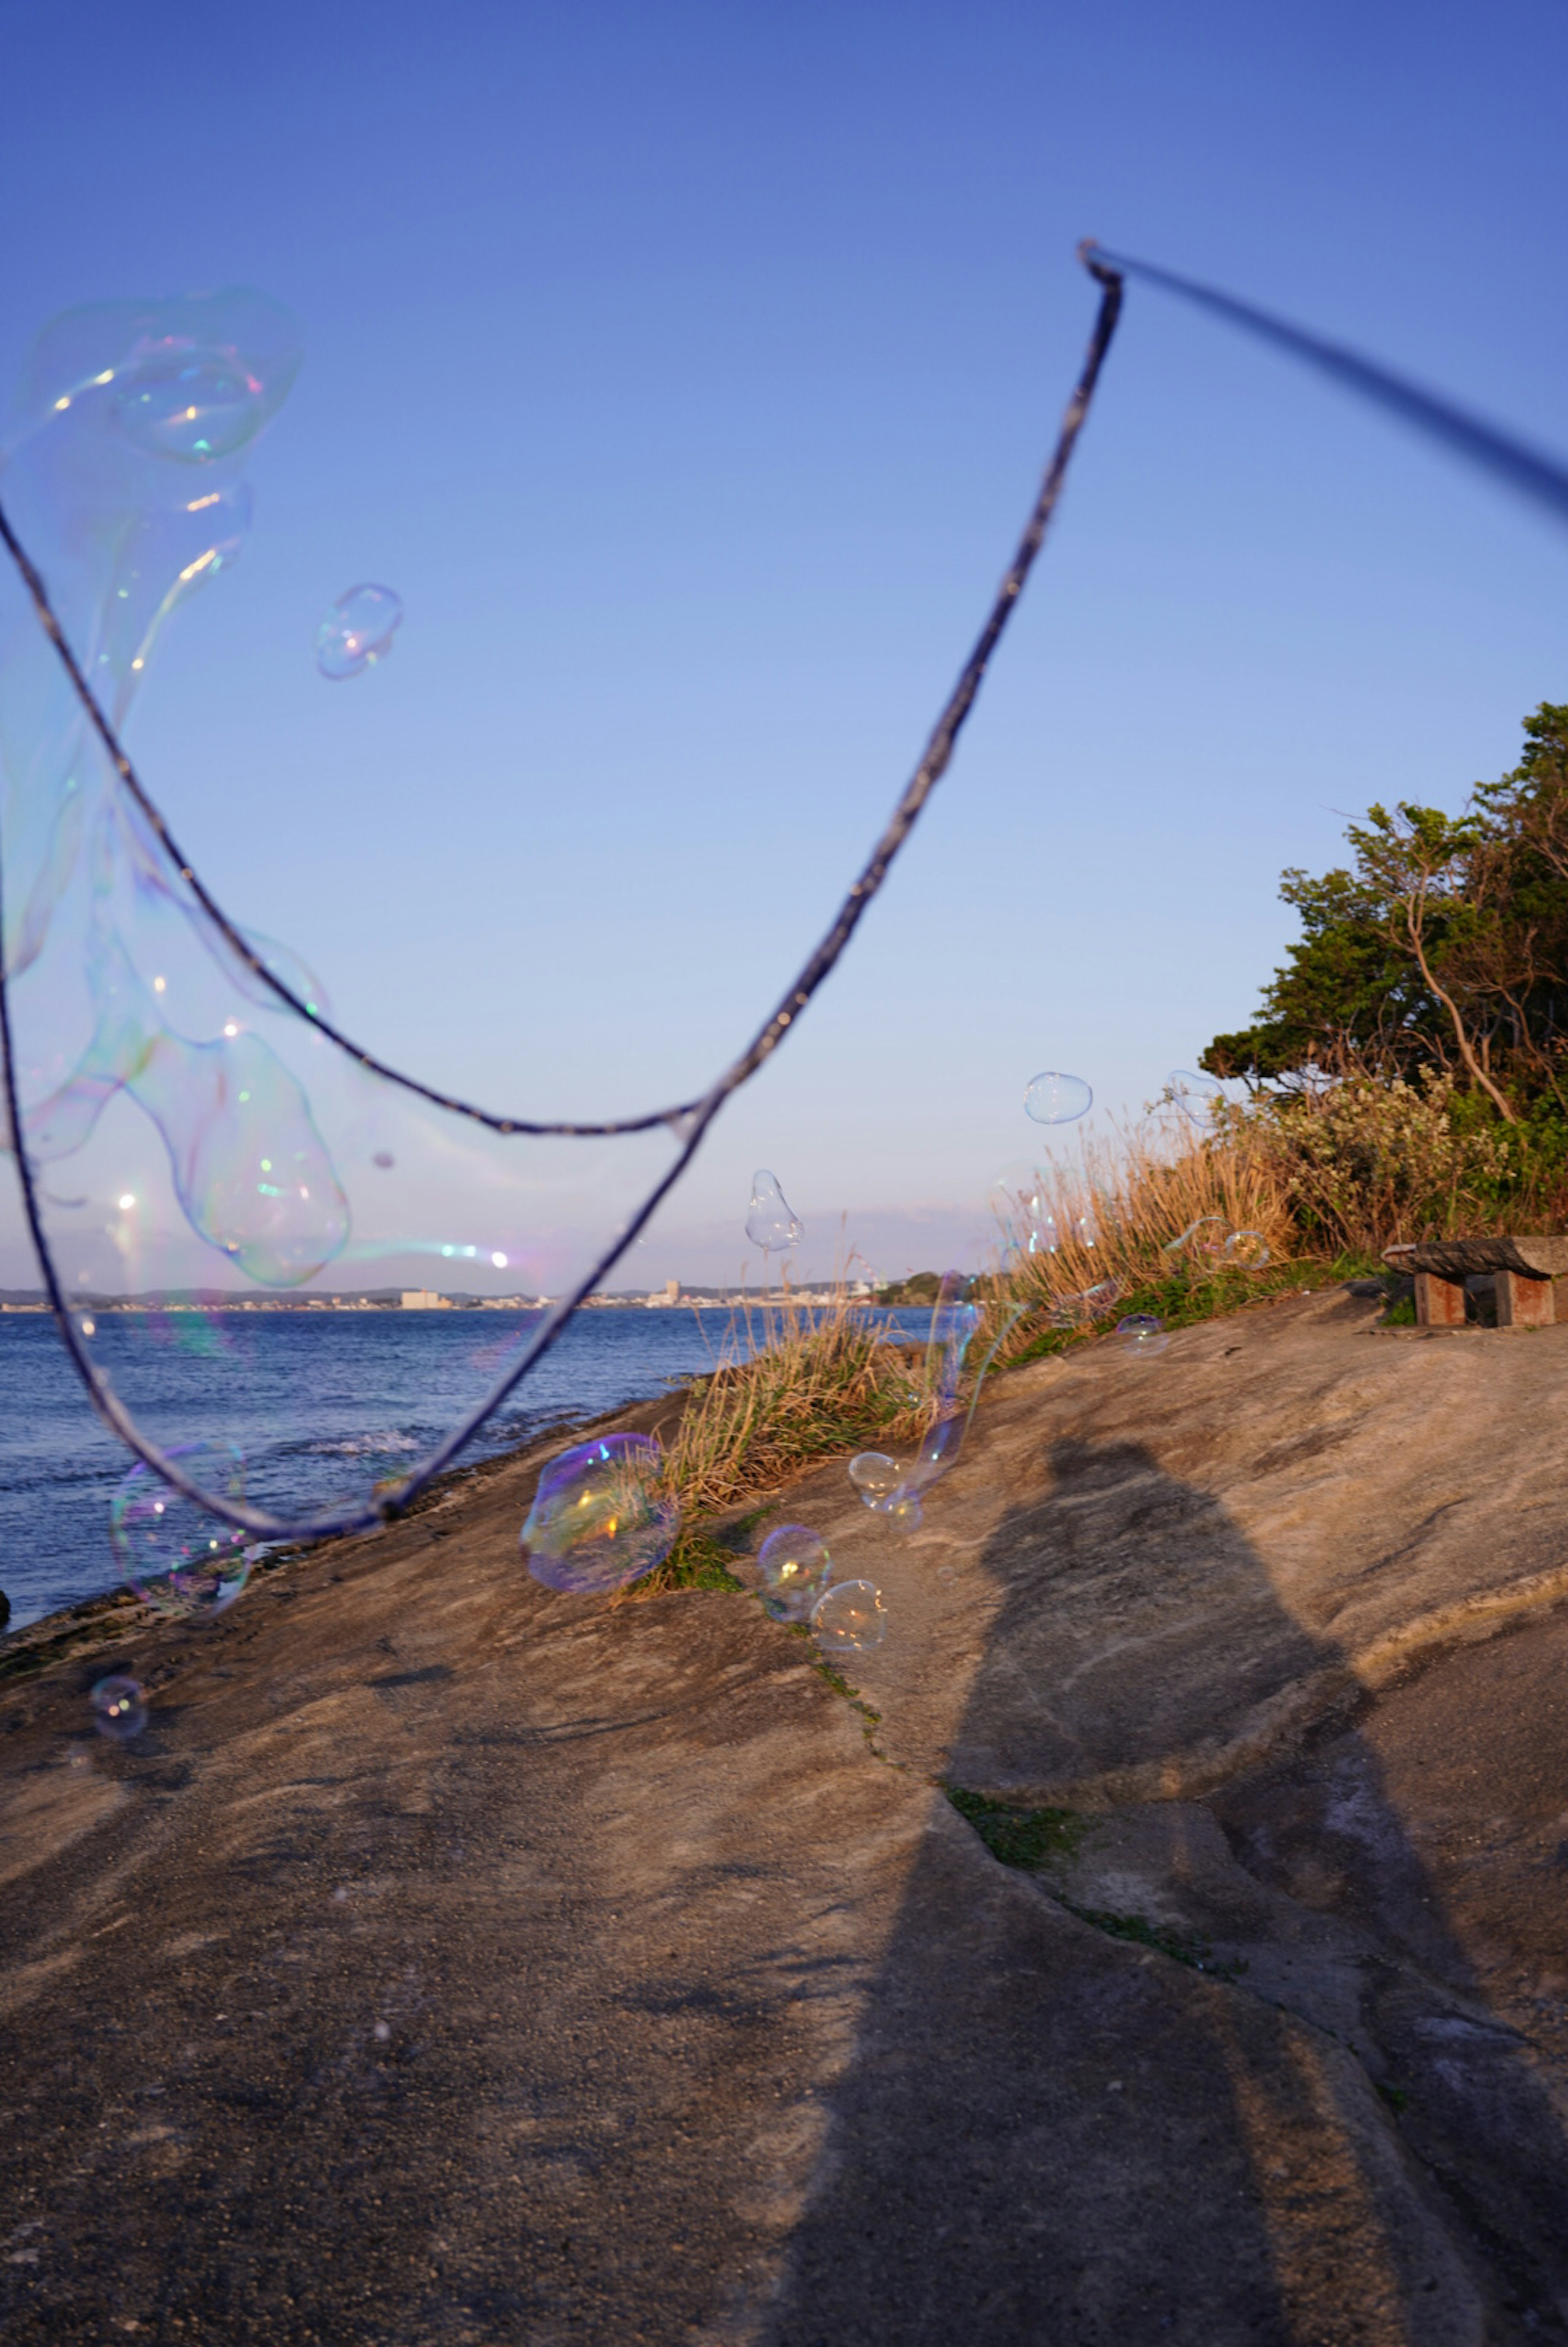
(454, 1961)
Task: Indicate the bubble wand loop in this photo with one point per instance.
(690, 1120)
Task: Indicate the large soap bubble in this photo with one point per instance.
(601, 1516)
(358, 630)
(179, 1559)
(1197, 1097)
(795, 1566)
(198, 1132)
(771, 1221)
(1053, 1098)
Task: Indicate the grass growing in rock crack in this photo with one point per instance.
(1030, 1838)
(1022, 1838)
(1189, 1948)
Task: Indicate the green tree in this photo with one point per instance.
(1444, 943)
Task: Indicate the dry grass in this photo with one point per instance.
(821, 1378)
(1115, 1237)
(1321, 1179)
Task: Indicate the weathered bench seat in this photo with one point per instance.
(1522, 1271)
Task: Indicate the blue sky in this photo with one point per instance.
(689, 369)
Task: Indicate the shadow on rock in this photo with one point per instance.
(1218, 2070)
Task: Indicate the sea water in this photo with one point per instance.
(380, 1384)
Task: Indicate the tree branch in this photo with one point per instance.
(1478, 1074)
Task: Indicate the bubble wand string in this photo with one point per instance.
(690, 1121)
(1532, 472)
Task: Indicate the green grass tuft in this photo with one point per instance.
(1024, 1837)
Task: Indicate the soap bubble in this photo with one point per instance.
(1087, 1305)
(358, 630)
(849, 1617)
(770, 1221)
(119, 1710)
(601, 1516)
(177, 1557)
(1141, 1334)
(1196, 1096)
(875, 1477)
(1053, 1098)
(1204, 1242)
(1246, 1249)
(1021, 1202)
(795, 1567)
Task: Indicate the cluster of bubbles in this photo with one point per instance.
(771, 1223)
(798, 1585)
(357, 631)
(1026, 1205)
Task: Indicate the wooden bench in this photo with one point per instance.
(1520, 1269)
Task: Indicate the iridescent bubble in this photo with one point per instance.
(795, 1566)
(1196, 1096)
(1053, 1098)
(601, 1516)
(770, 1221)
(1141, 1334)
(1247, 1249)
(358, 630)
(849, 1617)
(177, 1557)
(119, 1709)
(384, 1159)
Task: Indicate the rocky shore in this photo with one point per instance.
(1161, 1938)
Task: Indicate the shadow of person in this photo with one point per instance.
(1170, 2083)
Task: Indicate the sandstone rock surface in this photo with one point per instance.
(452, 1961)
